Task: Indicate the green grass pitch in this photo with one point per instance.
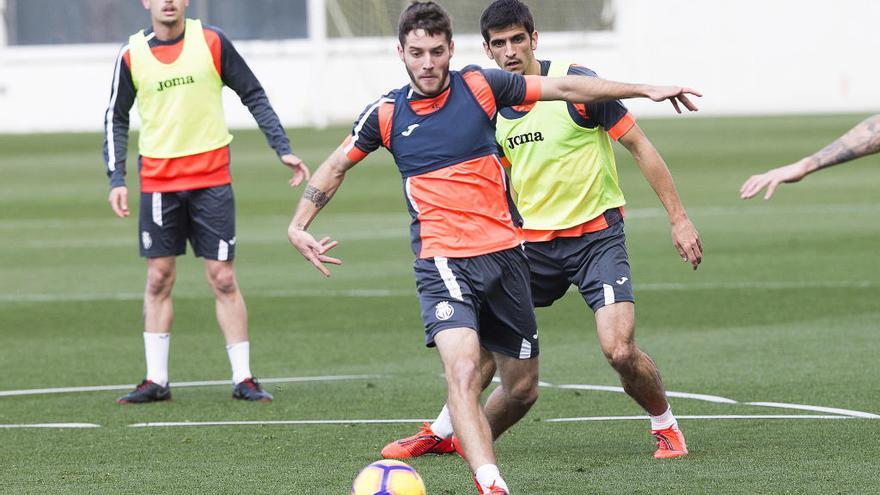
(785, 308)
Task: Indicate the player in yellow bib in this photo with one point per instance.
(563, 172)
(176, 70)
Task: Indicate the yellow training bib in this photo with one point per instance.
(563, 174)
(180, 103)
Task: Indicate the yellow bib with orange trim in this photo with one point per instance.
(563, 174)
(180, 103)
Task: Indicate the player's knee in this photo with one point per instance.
(160, 280)
(223, 281)
(524, 393)
(622, 357)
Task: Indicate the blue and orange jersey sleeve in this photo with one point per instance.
(371, 130)
(495, 88)
(613, 116)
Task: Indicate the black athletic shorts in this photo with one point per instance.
(488, 293)
(204, 216)
(596, 263)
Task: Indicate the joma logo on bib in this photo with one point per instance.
(529, 137)
(177, 81)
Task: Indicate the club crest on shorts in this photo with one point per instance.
(444, 311)
(146, 239)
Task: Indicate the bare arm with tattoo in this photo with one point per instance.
(322, 186)
(861, 140)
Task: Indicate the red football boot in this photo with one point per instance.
(423, 442)
(670, 443)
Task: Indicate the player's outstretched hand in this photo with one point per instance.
(675, 94)
(119, 201)
(313, 251)
(771, 180)
(687, 241)
(300, 170)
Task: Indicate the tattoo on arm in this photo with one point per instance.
(316, 196)
(863, 139)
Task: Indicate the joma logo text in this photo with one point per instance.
(529, 137)
(177, 81)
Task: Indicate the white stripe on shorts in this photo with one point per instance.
(525, 352)
(448, 277)
(157, 209)
(223, 251)
(609, 294)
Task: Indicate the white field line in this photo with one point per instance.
(602, 388)
(101, 388)
(724, 400)
(173, 424)
(53, 425)
(684, 395)
(803, 407)
(719, 416)
(375, 293)
(281, 422)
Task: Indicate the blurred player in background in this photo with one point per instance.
(471, 273)
(565, 179)
(176, 70)
(861, 140)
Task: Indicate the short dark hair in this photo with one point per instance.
(429, 16)
(504, 14)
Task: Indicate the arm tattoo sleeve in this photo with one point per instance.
(317, 196)
(863, 139)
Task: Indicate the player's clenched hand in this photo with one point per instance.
(675, 94)
(119, 201)
(771, 180)
(313, 251)
(687, 241)
(300, 170)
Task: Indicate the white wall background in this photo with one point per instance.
(748, 56)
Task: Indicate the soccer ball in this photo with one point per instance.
(388, 477)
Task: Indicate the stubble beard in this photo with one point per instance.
(441, 84)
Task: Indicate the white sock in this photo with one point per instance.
(488, 475)
(442, 426)
(156, 347)
(663, 421)
(240, 359)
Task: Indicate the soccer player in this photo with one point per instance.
(471, 274)
(176, 70)
(563, 171)
(861, 140)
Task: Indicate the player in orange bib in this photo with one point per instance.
(563, 171)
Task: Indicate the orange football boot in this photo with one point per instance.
(670, 443)
(423, 442)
